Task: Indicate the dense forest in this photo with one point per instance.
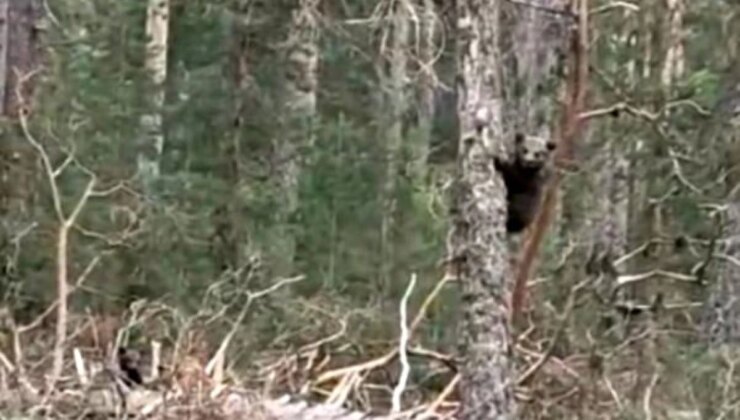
(313, 209)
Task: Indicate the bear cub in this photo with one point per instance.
(525, 175)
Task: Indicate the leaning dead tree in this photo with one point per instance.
(477, 241)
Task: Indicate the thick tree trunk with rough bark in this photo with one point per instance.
(722, 312)
(477, 242)
(722, 309)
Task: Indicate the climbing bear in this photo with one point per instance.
(525, 175)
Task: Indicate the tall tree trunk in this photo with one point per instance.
(428, 49)
(19, 53)
(572, 93)
(721, 313)
(673, 64)
(477, 241)
(229, 234)
(721, 321)
(609, 226)
(152, 142)
(611, 215)
(299, 103)
(20, 60)
(4, 45)
(663, 63)
(395, 102)
(538, 42)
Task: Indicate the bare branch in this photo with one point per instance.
(120, 186)
(442, 396)
(534, 368)
(402, 344)
(615, 109)
(81, 203)
(58, 171)
(634, 278)
(551, 10)
(48, 169)
(78, 283)
(218, 359)
(281, 283)
(649, 396)
(679, 173)
(343, 372)
(630, 7)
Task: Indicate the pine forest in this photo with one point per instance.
(370, 209)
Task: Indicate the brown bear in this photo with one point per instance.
(525, 175)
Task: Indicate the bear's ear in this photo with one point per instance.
(518, 138)
(551, 145)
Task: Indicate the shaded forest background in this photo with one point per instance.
(316, 141)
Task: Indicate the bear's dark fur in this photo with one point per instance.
(525, 175)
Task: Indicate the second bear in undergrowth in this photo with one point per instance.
(525, 175)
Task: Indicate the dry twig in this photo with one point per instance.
(402, 345)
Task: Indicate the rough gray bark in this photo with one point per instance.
(609, 227)
(722, 311)
(721, 322)
(535, 45)
(477, 242)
